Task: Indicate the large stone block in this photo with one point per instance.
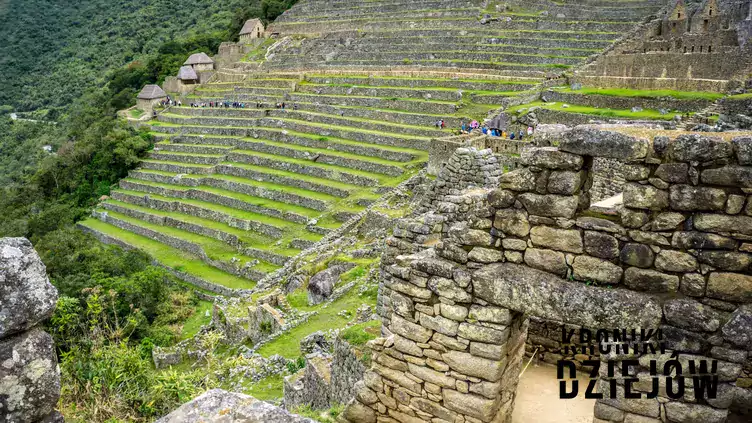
(675, 261)
(483, 333)
(674, 173)
(471, 405)
(549, 205)
(568, 240)
(542, 294)
(588, 268)
(512, 222)
(27, 295)
(564, 182)
(692, 315)
(645, 197)
(639, 255)
(430, 375)
(550, 158)
(694, 413)
(448, 288)
(598, 143)
(730, 286)
(29, 376)
(470, 365)
(548, 260)
(410, 330)
(702, 241)
(490, 314)
(691, 198)
(732, 176)
(699, 148)
(518, 180)
(726, 260)
(601, 245)
(738, 330)
(650, 280)
(743, 149)
(723, 223)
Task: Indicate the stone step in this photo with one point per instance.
(184, 266)
(253, 83)
(569, 58)
(440, 49)
(248, 221)
(218, 128)
(369, 91)
(216, 256)
(230, 92)
(365, 65)
(406, 34)
(245, 243)
(415, 106)
(223, 197)
(371, 13)
(249, 100)
(190, 158)
(192, 148)
(510, 84)
(176, 167)
(418, 43)
(668, 103)
(423, 119)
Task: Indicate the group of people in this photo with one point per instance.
(220, 104)
(495, 132)
(170, 102)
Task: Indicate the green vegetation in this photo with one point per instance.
(322, 416)
(624, 92)
(621, 113)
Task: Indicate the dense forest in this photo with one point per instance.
(75, 64)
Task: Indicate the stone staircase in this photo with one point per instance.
(229, 195)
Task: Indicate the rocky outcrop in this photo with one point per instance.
(29, 374)
(217, 406)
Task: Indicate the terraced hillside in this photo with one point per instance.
(228, 195)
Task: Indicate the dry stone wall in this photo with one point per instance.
(460, 281)
(29, 374)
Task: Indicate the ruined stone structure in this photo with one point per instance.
(686, 48)
(461, 281)
(29, 374)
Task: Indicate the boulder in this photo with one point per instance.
(699, 148)
(738, 330)
(27, 295)
(321, 285)
(690, 314)
(218, 405)
(586, 141)
(29, 377)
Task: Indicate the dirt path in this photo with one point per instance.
(538, 399)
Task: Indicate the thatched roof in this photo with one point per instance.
(151, 92)
(198, 59)
(186, 73)
(250, 24)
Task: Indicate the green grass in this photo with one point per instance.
(361, 333)
(624, 92)
(171, 257)
(197, 319)
(617, 113)
(136, 113)
(288, 344)
(267, 389)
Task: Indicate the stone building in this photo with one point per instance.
(200, 62)
(187, 75)
(252, 30)
(149, 96)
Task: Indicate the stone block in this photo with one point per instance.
(470, 405)
(550, 158)
(512, 222)
(645, 197)
(522, 180)
(607, 412)
(489, 351)
(735, 287)
(675, 261)
(699, 148)
(549, 297)
(482, 333)
(633, 218)
(409, 330)
(694, 413)
(500, 199)
(568, 240)
(564, 182)
(692, 315)
(27, 295)
(692, 198)
(735, 204)
(598, 224)
(454, 312)
(650, 280)
(448, 289)
(667, 221)
(548, 260)
(588, 268)
(636, 172)
(598, 143)
(693, 284)
(433, 409)
(702, 241)
(731, 176)
(674, 173)
(726, 260)
(601, 245)
(722, 223)
(514, 244)
(743, 149)
(484, 255)
(439, 324)
(490, 314)
(470, 365)
(432, 376)
(738, 330)
(449, 342)
(549, 205)
(639, 255)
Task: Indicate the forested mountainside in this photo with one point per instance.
(73, 65)
(53, 51)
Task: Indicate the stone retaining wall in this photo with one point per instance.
(459, 279)
(418, 83)
(613, 102)
(413, 106)
(574, 119)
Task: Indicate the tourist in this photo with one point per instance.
(484, 130)
(443, 125)
(529, 131)
(437, 124)
(511, 135)
(464, 128)
(521, 135)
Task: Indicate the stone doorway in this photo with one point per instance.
(460, 281)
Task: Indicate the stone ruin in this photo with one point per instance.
(29, 374)
(461, 282)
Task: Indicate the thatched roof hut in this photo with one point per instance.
(151, 92)
(186, 73)
(199, 59)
